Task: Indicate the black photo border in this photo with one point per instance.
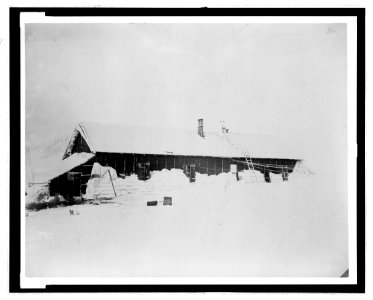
(15, 148)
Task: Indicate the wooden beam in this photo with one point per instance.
(112, 184)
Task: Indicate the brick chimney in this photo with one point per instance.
(200, 128)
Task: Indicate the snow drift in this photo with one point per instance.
(105, 183)
(216, 226)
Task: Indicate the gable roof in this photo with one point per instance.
(125, 139)
(54, 168)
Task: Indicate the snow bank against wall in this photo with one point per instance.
(105, 183)
(101, 186)
(216, 226)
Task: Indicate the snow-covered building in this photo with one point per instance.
(126, 149)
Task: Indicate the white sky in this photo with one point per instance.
(283, 79)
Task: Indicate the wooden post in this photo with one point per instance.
(174, 163)
(222, 165)
(112, 184)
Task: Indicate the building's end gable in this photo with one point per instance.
(77, 144)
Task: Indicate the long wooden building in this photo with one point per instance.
(125, 149)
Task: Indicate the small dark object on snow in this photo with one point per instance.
(267, 176)
(71, 212)
(167, 200)
(152, 203)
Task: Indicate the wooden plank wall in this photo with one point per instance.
(204, 164)
(124, 163)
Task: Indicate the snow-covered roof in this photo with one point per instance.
(126, 139)
(64, 166)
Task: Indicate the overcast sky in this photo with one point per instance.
(282, 79)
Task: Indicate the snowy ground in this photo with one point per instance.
(215, 227)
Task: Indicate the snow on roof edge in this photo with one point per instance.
(117, 138)
(85, 133)
(79, 128)
(69, 163)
